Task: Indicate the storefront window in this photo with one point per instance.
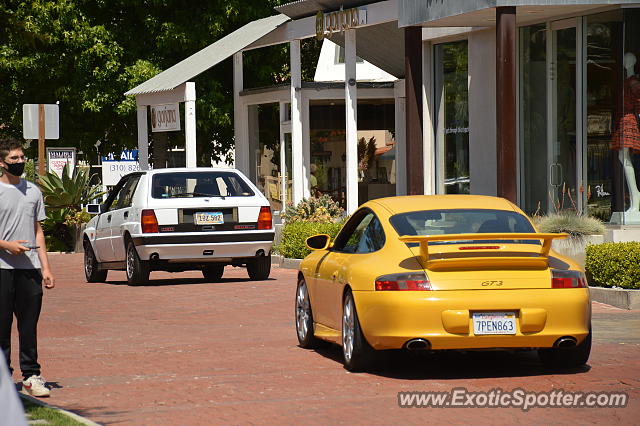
(613, 105)
(452, 99)
(376, 149)
(533, 117)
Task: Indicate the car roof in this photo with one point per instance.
(192, 169)
(409, 203)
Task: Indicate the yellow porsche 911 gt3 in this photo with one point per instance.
(439, 272)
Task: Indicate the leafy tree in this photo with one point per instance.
(86, 53)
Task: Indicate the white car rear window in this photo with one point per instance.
(199, 185)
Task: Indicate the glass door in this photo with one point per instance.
(564, 142)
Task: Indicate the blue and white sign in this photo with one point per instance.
(118, 165)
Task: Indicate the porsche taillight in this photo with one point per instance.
(567, 279)
(264, 218)
(149, 221)
(411, 281)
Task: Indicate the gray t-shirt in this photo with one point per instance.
(20, 206)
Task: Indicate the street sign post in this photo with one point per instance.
(40, 121)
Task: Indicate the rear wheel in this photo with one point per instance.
(137, 270)
(259, 268)
(213, 273)
(91, 271)
(358, 355)
(567, 358)
(304, 317)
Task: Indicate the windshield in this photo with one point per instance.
(199, 184)
(462, 221)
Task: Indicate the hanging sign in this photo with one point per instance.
(116, 166)
(165, 118)
(338, 21)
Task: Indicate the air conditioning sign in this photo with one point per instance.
(165, 118)
(338, 21)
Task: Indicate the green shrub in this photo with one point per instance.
(295, 233)
(570, 223)
(614, 264)
(321, 209)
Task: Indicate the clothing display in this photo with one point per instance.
(627, 130)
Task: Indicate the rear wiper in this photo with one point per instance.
(194, 194)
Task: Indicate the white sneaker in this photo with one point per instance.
(34, 386)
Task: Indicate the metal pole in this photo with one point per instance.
(41, 130)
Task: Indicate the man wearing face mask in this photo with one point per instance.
(24, 265)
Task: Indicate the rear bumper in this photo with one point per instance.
(390, 319)
(202, 247)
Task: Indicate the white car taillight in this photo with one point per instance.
(410, 281)
(567, 279)
(149, 221)
(264, 218)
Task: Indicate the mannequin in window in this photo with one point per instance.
(626, 136)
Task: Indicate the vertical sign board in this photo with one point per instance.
(165, 118)
(57, 158)
(116, 166)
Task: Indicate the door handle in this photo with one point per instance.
(126, 215)
(109, 218)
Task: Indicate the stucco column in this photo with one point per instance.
(190, 124)
(351, 120)
(240, 118)
(297, 174)
(143, 138)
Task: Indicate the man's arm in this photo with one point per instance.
(47, 277)
(14, 247)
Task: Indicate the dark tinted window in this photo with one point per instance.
(199, 184)
(126, 195)
(364, 234)
(461, 221)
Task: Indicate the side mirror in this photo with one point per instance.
(95, 208)
(318, 242)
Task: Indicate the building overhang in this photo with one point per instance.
(481, 13)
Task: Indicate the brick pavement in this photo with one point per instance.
(181, 351)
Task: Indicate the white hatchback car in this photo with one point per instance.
(177, 220)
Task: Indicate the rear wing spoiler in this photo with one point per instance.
(540, 261)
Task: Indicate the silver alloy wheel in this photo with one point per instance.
(131, 261)
(348, 328)
(302, 311)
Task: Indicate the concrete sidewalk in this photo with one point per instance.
(181, 351)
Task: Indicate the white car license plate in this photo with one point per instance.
(208, 218)
(494, 323)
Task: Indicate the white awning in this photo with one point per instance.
(211, 55)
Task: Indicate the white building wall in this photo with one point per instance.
(482, 112)
(328, 69)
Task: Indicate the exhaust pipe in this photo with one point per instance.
(154, 256)
(417, 345)
(565, 342)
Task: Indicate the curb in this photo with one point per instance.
(285, 262)
(620, 298)
(74, 416)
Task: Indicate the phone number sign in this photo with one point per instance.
(114, 166)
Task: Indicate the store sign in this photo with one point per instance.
(165, 118)
(116, 166)
(57, 158)
(339, 21)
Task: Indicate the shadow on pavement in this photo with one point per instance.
(452, 365)
(185, 281)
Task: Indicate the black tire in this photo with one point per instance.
(136, 269)
(91, 271)
(259, 268)
(304, 317)
(566, 358)
(213, 273)
(358, 354)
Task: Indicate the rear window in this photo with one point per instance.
(462, 221)
(199, 185)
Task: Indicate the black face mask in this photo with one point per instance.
(15, 169)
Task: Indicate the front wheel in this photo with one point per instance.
(357, 353)
(304, 317)
(259, 268)
(91, 271)
(137, 270)
(566, 358)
